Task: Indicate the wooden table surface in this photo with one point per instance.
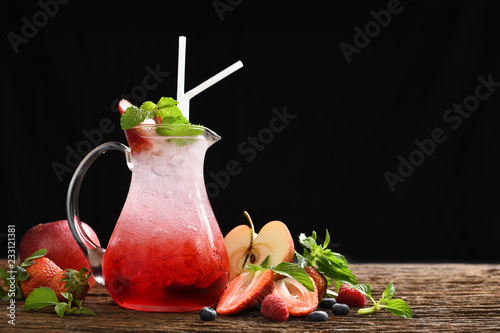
(443, 297)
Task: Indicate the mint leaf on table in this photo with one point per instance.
(40, 298)
(43, 297)
(397, 307)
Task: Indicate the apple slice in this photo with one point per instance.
(273, 240)
(245, 248)
(238, 242)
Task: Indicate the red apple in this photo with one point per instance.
(244, 247)
(61, 247)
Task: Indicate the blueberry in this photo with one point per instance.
(340, 309)
(318, 316)
(208, 314)
(327, 303)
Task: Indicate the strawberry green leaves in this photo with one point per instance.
(16, 275)
(43, 297)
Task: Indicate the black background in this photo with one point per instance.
(325, 169)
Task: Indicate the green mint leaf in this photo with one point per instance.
(40, 298)
(61, 308)
(327, 240)
(179, 131)
(332, 265)
(301, 260)
(296, 272)
(69, 297)
(133, 116)
(388, 292)
(254, 268)
(261, 267)
(22, 275)
(19, 274)
(148, 105)
(4, 275)
(365, 289)
(166, 101)
(265, 263)
(307, 242)
(335, 272)
(330, 294)
(86, 311)
(170, 111)
(398, 307)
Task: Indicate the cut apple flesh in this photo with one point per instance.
(273, 240)
(244, 248)
(238, 242)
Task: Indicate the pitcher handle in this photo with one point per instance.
(92, 252)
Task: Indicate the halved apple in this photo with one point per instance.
(244, 247)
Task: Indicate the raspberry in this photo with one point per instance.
(350, 296)
(274, 308)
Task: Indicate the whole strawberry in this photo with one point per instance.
(350, 296)
(274, 308)
(41, 270)
(72, 281)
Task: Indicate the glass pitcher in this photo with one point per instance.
(166, 252)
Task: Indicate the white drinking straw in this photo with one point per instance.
(181, 70)
(184, 98)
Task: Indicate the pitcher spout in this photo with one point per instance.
(211, 136)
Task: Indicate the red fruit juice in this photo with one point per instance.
(166, 252)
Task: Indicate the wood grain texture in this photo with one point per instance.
(443, 297)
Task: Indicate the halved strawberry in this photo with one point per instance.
(299, 300)
(319, 280)
(245, 291)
